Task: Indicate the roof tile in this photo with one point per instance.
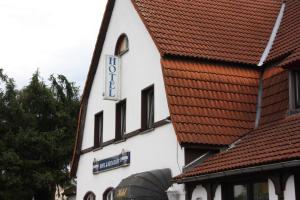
(288, 37)
(210, 103)
(275, 100)
(271, 143)
(234, 31)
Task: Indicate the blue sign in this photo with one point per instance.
(114, 162)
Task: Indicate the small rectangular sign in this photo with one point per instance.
(114, 162)
(112, 78)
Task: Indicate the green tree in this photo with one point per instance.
(37, 134)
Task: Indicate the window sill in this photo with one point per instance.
(119, 141)
(294, 111)
(97, 148)
(144, 131)
(123, 52)
(128, 135)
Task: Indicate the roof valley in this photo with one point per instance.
(272, 36)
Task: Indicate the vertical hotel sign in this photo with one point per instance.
(112, 78)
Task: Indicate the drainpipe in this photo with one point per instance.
(259, 99)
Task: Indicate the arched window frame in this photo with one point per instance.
(89, 196)
(122, 40)
(108, 194)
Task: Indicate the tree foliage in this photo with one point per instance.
(37, 126)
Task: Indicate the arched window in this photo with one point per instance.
(89, 196)
(108, 194)
(122, 45)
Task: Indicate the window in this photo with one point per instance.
(98, 130)
(122, 45)
(89, 196)
(120, 119)
(240, 192)
(108, 194)
(147, 108)
(296, 91)
(250, 191)
(260, 191)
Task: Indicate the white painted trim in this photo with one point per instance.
(273, 35)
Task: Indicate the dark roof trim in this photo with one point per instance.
(295, 65)
(278, 59)
(261, 168)
(88, 84)
(215, 147)
(197, 161)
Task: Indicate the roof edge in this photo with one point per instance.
(88, 84)
(259, 168)
(148, 29)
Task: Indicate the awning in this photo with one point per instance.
(150, 185)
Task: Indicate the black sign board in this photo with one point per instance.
(120, 160)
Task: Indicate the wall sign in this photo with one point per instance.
(121, 160)
(112, 78)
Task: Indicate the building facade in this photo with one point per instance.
(206, 92)
(151, 147)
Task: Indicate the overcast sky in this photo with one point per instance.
(55, 36)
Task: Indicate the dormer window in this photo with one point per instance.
(297, 88)
(295, 91)
(122, 45)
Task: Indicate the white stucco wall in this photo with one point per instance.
(272, 194)
(154, 150)
(218, 195)
(141, 68)
(199, 193)
(289, 192)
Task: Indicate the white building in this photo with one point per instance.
(154, 147)
(178, 89)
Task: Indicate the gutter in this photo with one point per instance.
(261, 168)
(259, 99)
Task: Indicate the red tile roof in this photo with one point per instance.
(275, 99)
(288, 37)
(210, 103)
(235, 31)
(275, 142)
